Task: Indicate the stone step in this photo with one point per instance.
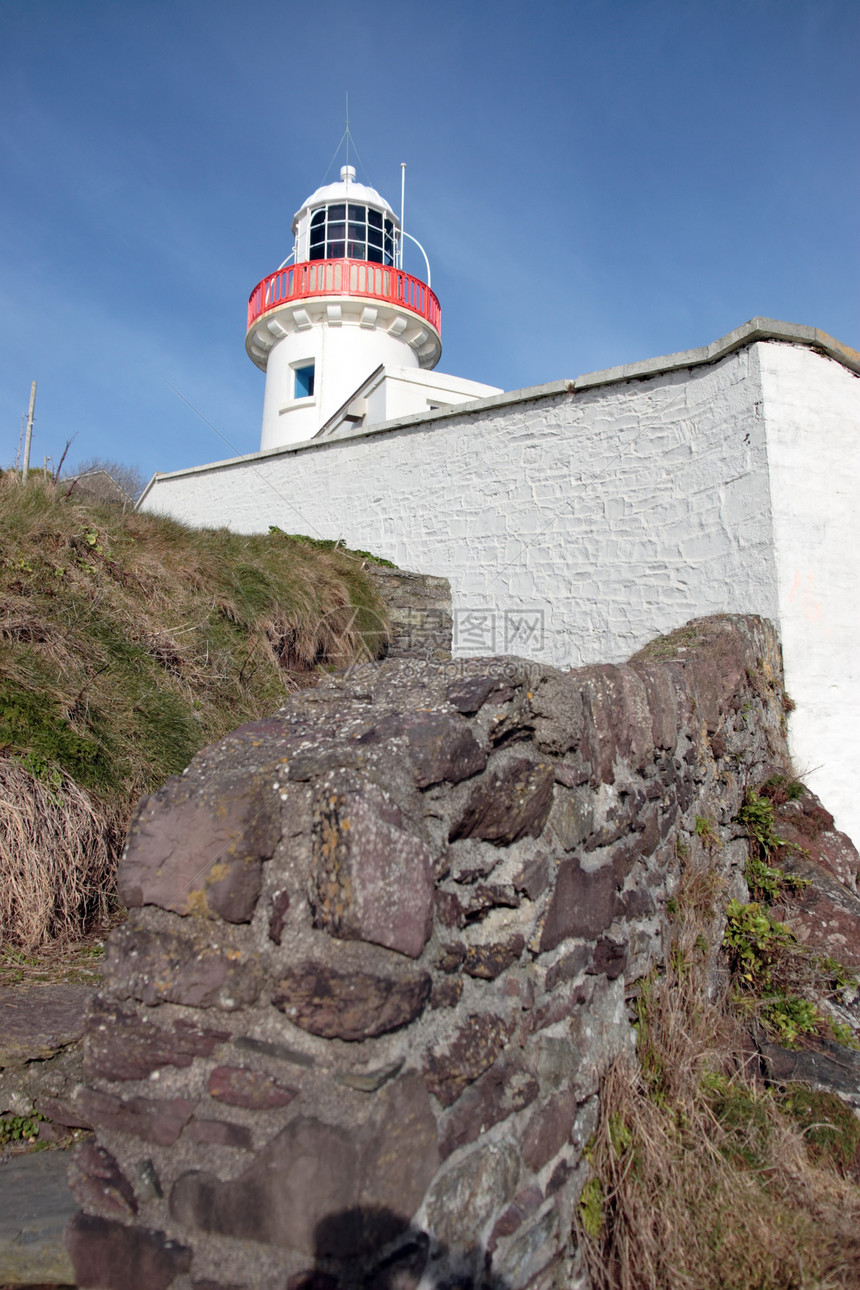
(35, 1205)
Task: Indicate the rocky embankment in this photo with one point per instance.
(382, 948)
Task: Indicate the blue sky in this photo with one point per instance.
(595, 182)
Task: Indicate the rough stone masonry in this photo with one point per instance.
(353, 1031)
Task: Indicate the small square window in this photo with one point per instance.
(304, 382)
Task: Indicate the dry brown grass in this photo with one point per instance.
(700, 1178)
(128, 642)
(57, 855)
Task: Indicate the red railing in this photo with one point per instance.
(344, 278)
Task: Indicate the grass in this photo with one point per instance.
(73, 962)
(700, 1174)
(127, 643)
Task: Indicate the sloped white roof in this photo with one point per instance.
(341, 191)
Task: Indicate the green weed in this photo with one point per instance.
(591, 1208)
(18, 1128)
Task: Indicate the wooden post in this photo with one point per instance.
(25, 472)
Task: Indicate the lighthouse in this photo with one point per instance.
(345, 336)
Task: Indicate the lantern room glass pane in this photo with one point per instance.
(352, 231)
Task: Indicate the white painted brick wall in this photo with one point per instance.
(812, 418)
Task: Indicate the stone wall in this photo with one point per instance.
(576, 521)
(419, 612)
(379, 954)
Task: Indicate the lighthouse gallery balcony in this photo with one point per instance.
(356, 278)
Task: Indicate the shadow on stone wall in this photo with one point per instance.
(410, 1258)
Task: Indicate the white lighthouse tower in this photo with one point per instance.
(344, 335)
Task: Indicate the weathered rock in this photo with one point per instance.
(281, 1052)
(158, 1120)
(507, 1087)
(610, 957)
(490, 961)
(469, 694)
(446, 994)
(399, 1152)
(122, 1045)
(98, 1182)
(827, 1065)
(105, 1253)
(532, 1250)
(368, 1081)
(220, 1133)
(35, 1205)
(508, 804)
(568, 967)
(825, 915)
(807, 825)
(663, 697)
(583, 904)
(559, 714)
(533, 878)
(452, 956)
(201, 853)
(373, 879)
(439, 745)
(240, 1086)
(572, 817)
(560, 1004)
(37, 1021)
(187, 966)
(450, 910)
(307, 1171)
(549, 1129)
(278, 916)
(473, 1049)
(520, 1209)
(486, 896)
(63, 1111)
(466, 1194)
(349, 1005)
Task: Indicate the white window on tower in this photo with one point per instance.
(303, 382)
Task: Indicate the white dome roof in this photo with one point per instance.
(346, 189)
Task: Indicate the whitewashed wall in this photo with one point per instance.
(812, 420)
(616, 512)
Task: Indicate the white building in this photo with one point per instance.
(578, 520)
(344, 335)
